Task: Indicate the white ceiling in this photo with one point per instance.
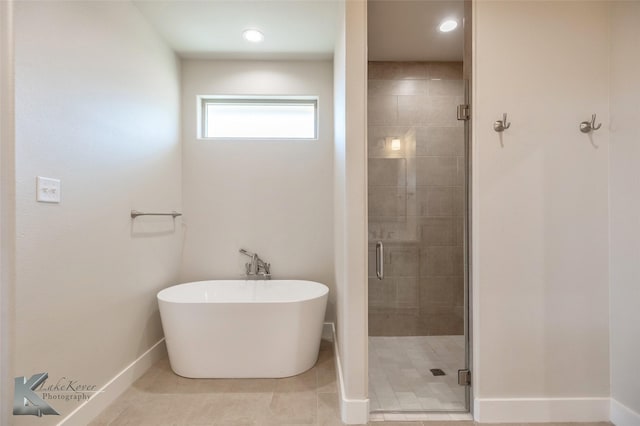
(399, 30)
(299, 29)
(408, 30)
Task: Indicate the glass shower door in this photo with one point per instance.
(417, 213)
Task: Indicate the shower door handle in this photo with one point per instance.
(379, 260)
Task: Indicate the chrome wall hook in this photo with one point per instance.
(501, 125)
(588, 126)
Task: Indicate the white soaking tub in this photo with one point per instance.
(243, 329)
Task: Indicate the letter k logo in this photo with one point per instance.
(25, 401)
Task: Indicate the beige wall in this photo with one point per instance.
(271, 197)
(97, 107)
(540, 203)
(339, 173)
(416, 198)
(625, 204)
(350, 186)
(7, 211)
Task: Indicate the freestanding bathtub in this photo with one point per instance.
(243, 329)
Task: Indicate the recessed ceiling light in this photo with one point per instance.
(253, 36)
(448, 25)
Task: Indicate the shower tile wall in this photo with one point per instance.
(416, 198)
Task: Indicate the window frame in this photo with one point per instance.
(204, 100)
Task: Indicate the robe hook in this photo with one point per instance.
(501, 125)
(588, 126)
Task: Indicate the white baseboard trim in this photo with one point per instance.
(622, 415)
(92, 407)
(352, 411)
(533, 410)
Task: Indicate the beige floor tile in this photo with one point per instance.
(246, 409)
(328, 410)
(326, 375)
(129, 397)
(148, 379)
(326, 379)
(253, 385)
(208, 413)
(512, 424)
(232, 408)
(239, 422)
(583, 424)
(293, 408)
(160, 410)
(208, 386)
(165, 381)
(304, 382)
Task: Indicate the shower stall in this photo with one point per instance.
(417, 208)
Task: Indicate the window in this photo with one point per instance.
(262, 117)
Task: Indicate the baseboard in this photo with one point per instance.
(533, 410)
(91, 408)
(622, 415)
(352, 411)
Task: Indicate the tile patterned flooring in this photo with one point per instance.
(161, 397)
(400, 376)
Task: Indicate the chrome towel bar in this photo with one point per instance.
(136, 213)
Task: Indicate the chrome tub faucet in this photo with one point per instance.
(256, 268)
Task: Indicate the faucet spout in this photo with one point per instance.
(257, 267)
(246, 252)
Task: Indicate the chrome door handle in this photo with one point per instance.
(379, 260)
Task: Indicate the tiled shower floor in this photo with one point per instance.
(400, 378)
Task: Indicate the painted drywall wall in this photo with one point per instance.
(350, 191)
(624, 205)
(7, 210)
(339, 170)
(540, 203)
(97, 106)
(270, 197)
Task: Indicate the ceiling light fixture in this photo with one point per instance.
(448, 25)
(395, 144)
(253, 36)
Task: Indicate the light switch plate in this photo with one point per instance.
(47, 190)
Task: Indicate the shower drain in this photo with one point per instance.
(437, 372)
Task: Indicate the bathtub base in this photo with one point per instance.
(243, 340)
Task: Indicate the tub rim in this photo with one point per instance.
(163, 298)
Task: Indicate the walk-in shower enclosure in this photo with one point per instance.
(417, 207)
